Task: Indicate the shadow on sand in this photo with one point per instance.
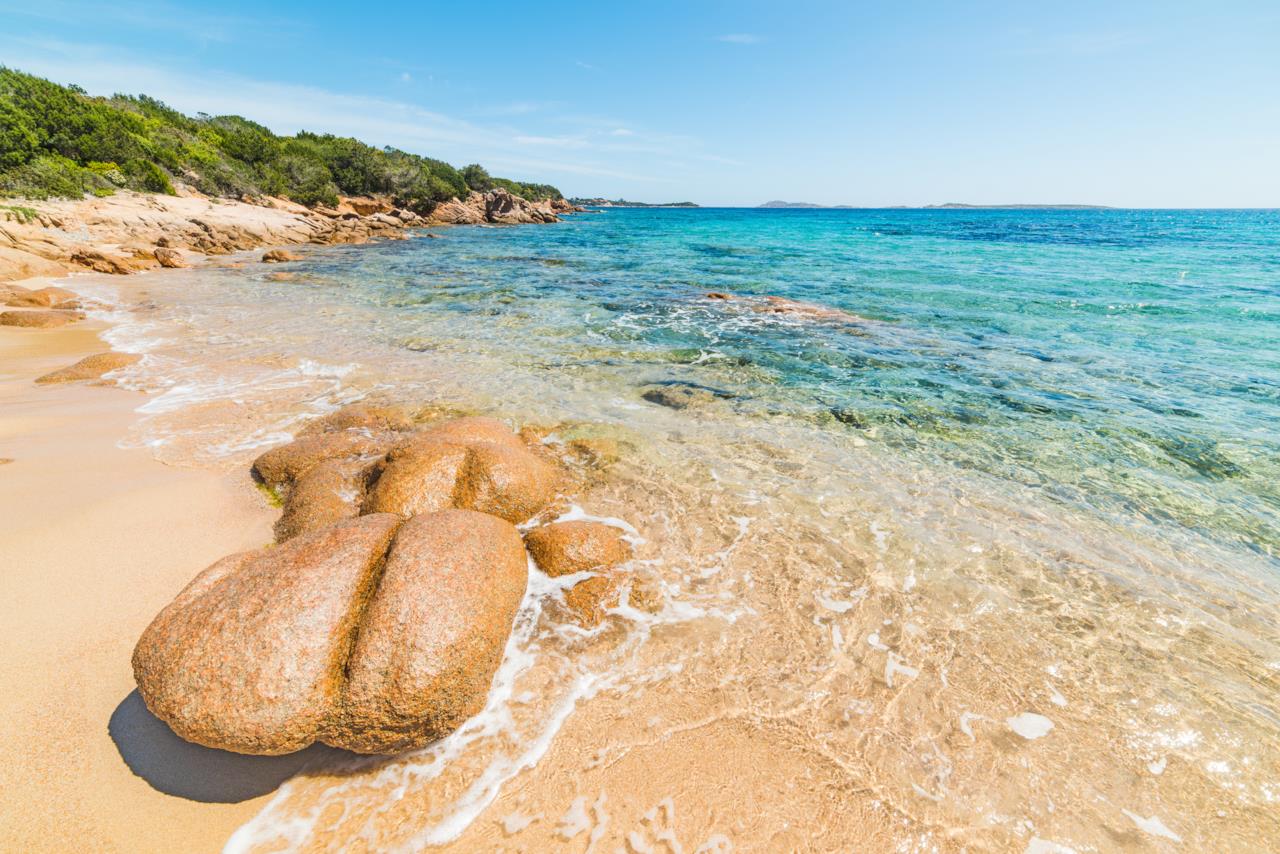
(186, 770)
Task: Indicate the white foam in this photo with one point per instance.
(1153, 826)
(1029, 725)
(575, 820)
(893, 665)
(1157, 767)
(1044, 846)
(576, 514)
(838, 606)
(513, 823)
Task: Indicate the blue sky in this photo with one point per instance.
(1140, 104)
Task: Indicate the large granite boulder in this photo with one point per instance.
(510, 482)
(420, 476)
(250, 656)
(324, 494)
(470, 463)
(565, 548)
(433, 636)
(90, 368)
(282, 465)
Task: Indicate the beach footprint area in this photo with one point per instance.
(660, 530)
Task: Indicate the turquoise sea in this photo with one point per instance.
(982, 527)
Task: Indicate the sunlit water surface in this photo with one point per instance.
(990, 562)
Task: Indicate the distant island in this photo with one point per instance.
(623, 203)
(946, 206)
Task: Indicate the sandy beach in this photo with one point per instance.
(86, 568)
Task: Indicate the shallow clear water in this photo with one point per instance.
(1031, 473)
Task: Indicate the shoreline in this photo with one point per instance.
(85, 573)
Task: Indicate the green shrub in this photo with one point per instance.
(58, 141)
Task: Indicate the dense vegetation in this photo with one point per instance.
(58, 141)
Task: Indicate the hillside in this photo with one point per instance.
(57, 141)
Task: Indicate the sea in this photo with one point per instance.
(964, 524)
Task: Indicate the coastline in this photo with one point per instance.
(85, 572)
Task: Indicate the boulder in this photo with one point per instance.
(509, 482)
(39, 319)
(169, 257)
(358, 415)
(50, 297)
(277, 256)
(326, 493)
(284, 464)
(250, 656)
(457, 212)
(90, 368)
(420, 476)
(433, 634)
(563, 548)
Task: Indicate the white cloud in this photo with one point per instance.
(406, 77)
(740, 38)
(622, 132)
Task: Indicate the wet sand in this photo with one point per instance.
(94, 539)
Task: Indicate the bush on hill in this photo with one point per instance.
(58, 141)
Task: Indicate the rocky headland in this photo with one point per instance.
(128, 232)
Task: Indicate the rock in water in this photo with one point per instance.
(510, 482)
(277, 256)
(359, 415)
(420, 476)
(326, 493)
(434, 633)
(249, 657)
(563, 548)
(169, 257)
(283, 464)
(90, 368)
(678, 395)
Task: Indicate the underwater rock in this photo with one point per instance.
(563, 548)
(681, 395)
(277, 256)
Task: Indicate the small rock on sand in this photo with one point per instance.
(90, 368)
(39, 319)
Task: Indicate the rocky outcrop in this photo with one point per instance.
(39, 319)
(90, 368)
(565, 548)
(432, 638)
(17, 264)
(496, 206)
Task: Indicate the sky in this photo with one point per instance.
(1162, 104)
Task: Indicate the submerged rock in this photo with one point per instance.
(564, 548)
(358, 415)
(681, 395)
(284, 464)
(326, 493)
(90, 368)
(249, 657)
(39, 319)
(432, 637)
